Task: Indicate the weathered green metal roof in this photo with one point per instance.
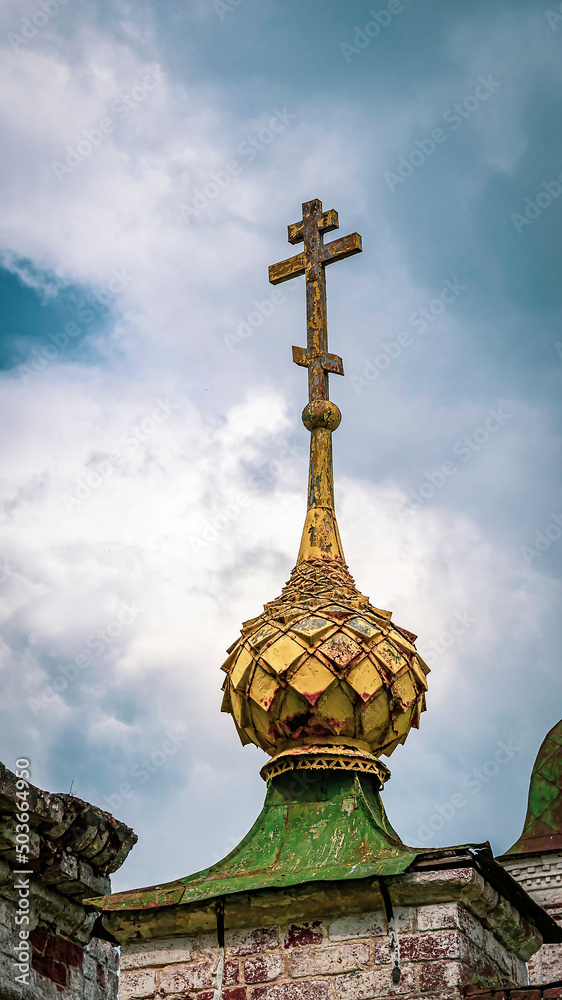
(314, 826)
(543, 823)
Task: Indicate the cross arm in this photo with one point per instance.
(329, 362)
(326, 223)
(293, 267)
(342, 248)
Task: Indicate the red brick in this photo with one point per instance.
(62, 950)
(423, 947)
(238, 993)
(526, 994)
(299, 935)
(311, 989)
(49, 969)
(552, 994)
(231, 974)
(38, 939)
(263, 968)
(252, 942)
(432, 977)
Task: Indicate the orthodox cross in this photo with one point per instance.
(312, 263)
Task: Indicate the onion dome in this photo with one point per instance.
(542, 830)
(322, 678)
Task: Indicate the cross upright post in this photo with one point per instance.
(320, 537)
(312, 263)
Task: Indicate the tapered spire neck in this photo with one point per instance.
(320, 537)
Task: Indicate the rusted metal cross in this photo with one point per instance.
(312, 262)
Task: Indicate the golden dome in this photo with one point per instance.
(322, 666)
(321, 670)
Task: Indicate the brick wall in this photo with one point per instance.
(541, 876)
(441, 946)
(72, 848)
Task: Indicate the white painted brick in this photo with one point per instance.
(178, 978)
(365, 985)
(438, 916)
(404, 919)
(168, 951)
(133, 985)
(358, 926)
(320, 961)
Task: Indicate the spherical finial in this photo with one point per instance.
(321, 413)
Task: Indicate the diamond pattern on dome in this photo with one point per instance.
(293, 714)
(263, 635)
(364, 678)
(337, 611)
(375, 718)
(336, 707)
(241, 669)
(403, 689)
(282, 654)
(402, 642)
(311, 679)
(418, 672)
(240, 709)
(362, 628)
(286, 679)
(340, 649)
(312, 628)
(263, 688)
(389, 656)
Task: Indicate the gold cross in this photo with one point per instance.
(312, 263)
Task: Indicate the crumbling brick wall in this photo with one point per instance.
(50, 946)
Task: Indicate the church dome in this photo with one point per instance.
(321, 666)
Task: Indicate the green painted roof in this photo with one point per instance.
(543, 824)
(314, 826)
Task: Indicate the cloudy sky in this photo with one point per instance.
(154, 469)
